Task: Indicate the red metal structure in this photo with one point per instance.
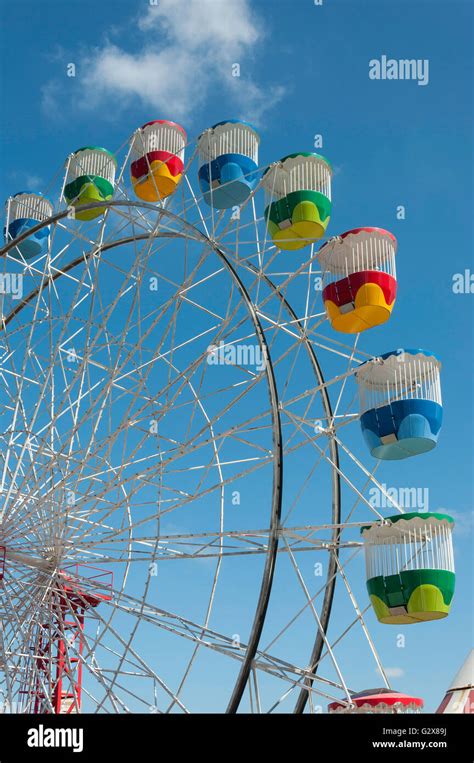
(60, 642)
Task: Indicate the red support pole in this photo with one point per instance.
(54, 653)
(65, 688)
(67, 692)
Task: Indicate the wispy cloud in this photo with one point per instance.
(187, 53)
(464, 521)
(394, 672)
(25, 180)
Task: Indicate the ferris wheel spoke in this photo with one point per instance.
(21, 641)
(346, 479)
(318, 621)
(344, 382)
(303, 609)
(242, 545)
(312, 441)
(203, 431)
(128, 650)
(220, 643)
(370, 475)
(363, 624)
(35, 412)
(186, 501)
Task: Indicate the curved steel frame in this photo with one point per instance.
(275, 515)
(336, 499)
(268, 573)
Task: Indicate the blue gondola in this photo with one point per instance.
(401, 407)
(229, 160)
(24, 211)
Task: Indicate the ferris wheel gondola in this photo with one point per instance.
(24, 210)
(400, 402)
(410, 567)
(90, 177)
(229, 161)
(157, 164)
(298, 199)
(359, 278)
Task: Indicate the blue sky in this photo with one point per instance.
(304, 70)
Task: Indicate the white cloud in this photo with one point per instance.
(213, 24)
(147, 76)
(188, 49)
(463, 521)
(253, 102)
(394, 672)
(26, 181)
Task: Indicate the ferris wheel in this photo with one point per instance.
(185, 417)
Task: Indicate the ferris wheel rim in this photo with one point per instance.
(305, 692)
(331, 578)
(276, 501)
